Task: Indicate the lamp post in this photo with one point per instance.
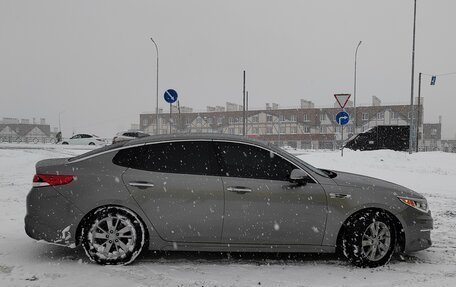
(156, 106)
(354, 89)
(419, 102)
(60, 126)
(412, 109)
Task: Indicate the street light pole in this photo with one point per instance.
(156, 106)
(419, 108)
(412, 109)
(60, 126)
(419, 116)
(354, 89)
(243, 106)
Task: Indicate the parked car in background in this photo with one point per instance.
(381, 137)
(84, 139)
(126, 136)
(213, 192)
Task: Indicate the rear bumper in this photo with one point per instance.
(50, 217)
(417, 228)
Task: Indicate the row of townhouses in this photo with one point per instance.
(23, 130)
(306, 126)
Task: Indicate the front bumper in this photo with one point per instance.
(51, 217)
(417, 228)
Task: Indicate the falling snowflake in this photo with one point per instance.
(276, 226)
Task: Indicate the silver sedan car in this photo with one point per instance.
(219, 193)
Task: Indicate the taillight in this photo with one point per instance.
(40, 180)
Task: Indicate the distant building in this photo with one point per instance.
(303, 127)
(15, 130)
(307, 104)
(231, 107)
(134, 127)
(432, 138)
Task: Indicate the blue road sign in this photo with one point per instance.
(433, 79)
(170, 96)
(342, 118)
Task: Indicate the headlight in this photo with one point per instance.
(420, 204)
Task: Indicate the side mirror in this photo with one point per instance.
(299, 176)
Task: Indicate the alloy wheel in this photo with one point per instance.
(376, 241)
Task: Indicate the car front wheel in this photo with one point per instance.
(369, 239)
(113, 236)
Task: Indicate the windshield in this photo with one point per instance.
(352, 137)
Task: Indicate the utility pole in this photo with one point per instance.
(419, 107)
(246, 108)
(156, 106)
(60, 126)
(243, 107)
(412, 110)
(354, 88)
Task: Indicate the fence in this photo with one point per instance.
(32, 140)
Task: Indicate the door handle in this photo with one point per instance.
(339, 195)
(141, 184)
(239, 189)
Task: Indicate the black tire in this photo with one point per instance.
(91, 143)
(369, 239)
(116, 243)
(64, 143)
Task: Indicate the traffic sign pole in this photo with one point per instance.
(170, 97)
(342, 148)
(342, 118)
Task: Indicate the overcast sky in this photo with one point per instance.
(94, 61)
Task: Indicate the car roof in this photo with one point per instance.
(174, 137)
(195, 136)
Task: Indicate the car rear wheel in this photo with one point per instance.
(91, 143)
(369, 239)
(113, 236)
(65, 143)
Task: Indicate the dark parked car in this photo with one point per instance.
(218, 193)
(381, 137)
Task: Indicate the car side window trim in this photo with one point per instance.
(190, 140)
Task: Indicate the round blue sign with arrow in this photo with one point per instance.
(342, 118)
(170, 96)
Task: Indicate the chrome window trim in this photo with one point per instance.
(191, 140)
(132, 146)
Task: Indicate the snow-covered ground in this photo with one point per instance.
(25, 262)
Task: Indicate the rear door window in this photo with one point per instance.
(186, 157)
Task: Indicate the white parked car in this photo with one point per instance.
(84, 139)
(126, 136)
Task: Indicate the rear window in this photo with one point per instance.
(98, 150)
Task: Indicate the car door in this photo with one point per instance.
(261, 205)
(75, 139)
(178, 187)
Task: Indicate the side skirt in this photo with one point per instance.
(247, 248)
